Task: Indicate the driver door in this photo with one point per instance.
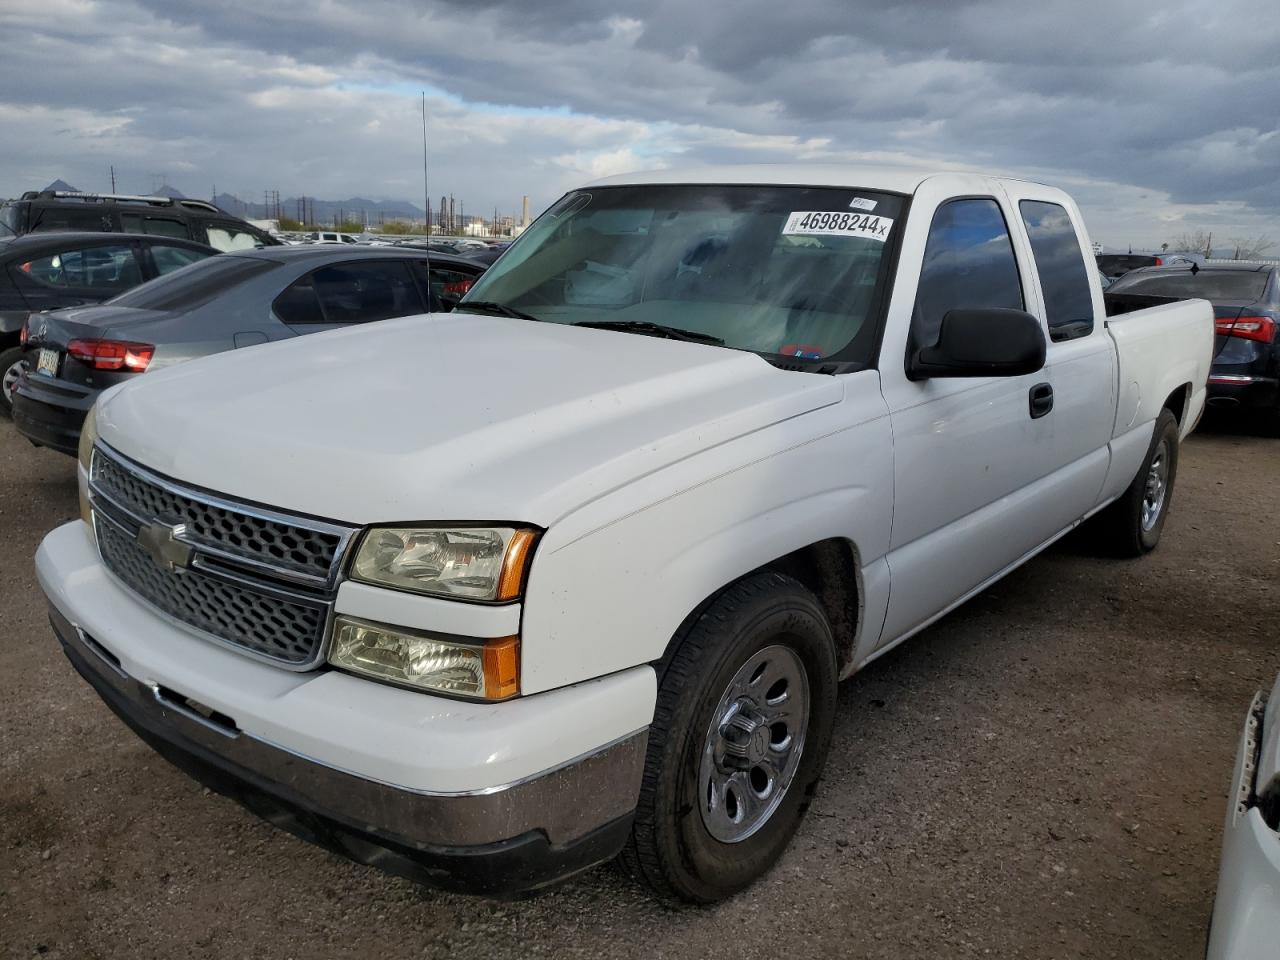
(968, 452)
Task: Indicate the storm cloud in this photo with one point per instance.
(1159, 117)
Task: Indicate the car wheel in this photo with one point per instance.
(1134, 522)
(746, 700)
(12, 363)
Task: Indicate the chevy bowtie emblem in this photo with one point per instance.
(160, 541)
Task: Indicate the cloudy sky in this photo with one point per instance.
(1160, 116)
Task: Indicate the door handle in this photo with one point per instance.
(1040, 400)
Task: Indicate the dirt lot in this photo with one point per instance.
(1042, 774)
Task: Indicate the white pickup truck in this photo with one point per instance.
(572, 572)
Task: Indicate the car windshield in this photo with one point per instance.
(1243, 286)
(790, 271)
(190, 286)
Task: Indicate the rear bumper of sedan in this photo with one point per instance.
(51, 412)
(1243, 391)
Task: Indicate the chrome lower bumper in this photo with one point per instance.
(501, 840)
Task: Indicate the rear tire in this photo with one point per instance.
(1132, 525)
(746, 700)
(11, 363)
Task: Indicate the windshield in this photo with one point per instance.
(1241, 285)
(195, 284)
(790, 271)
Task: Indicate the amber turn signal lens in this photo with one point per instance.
(514, 564)
(501, 668)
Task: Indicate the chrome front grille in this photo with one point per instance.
(261, 581)
(276, 543)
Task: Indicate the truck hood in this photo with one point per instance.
(447, 417)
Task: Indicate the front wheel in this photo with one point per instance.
(1134, 522)
(746, 701)
(12, 363)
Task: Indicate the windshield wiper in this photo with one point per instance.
(492, 306)
(652, 329)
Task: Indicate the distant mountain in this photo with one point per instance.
(322, 211)
(62, 185)
(172, 193)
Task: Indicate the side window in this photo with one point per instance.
(364, 291)
(299, 303)
(62, 218)
(448, 285)
(1064, 278)
(224, 237)
(156, 226)
(968, 263)
(168, 258)
(96, 268)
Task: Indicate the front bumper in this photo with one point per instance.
(210, 712)
(50, 412)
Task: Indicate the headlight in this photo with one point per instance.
(475, 563)
(480, 669)
(88, 437)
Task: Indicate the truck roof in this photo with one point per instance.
(867, 176)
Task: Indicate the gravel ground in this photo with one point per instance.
(1042, 774)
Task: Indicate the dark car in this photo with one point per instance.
(48, 271)
(230, 301)
(1246, 302)
(180, 219)
(1118, 264)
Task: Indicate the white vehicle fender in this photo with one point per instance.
(611, 583)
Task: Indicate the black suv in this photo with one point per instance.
(181, 219)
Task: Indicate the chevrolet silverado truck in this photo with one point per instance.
(571, 573)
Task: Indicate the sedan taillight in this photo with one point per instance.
(112, 354)
(1262, 329)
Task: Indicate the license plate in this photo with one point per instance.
(47, 362)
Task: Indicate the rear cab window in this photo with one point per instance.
(1060, 263)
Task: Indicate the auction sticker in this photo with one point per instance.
(829, 223)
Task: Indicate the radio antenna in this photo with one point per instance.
(426, 200)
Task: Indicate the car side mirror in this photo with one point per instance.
(988, 342)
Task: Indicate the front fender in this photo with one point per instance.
(612, 582)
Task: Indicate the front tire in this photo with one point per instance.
(746, 701)
(1132, 525)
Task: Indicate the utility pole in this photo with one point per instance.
(113, 178)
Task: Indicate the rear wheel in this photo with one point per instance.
(741, 729)
(12, 363)
(1134, 522)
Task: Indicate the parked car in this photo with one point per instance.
(1246, 911)
(180, 219)
(46, 271)
(1246, 302)
(328, 236)
(572, 572)
(235, 300)
(1118, 264)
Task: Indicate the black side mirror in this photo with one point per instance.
(990, 342)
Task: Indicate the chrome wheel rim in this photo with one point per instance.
(9, 383)
(753, 744)
(1157, 487)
